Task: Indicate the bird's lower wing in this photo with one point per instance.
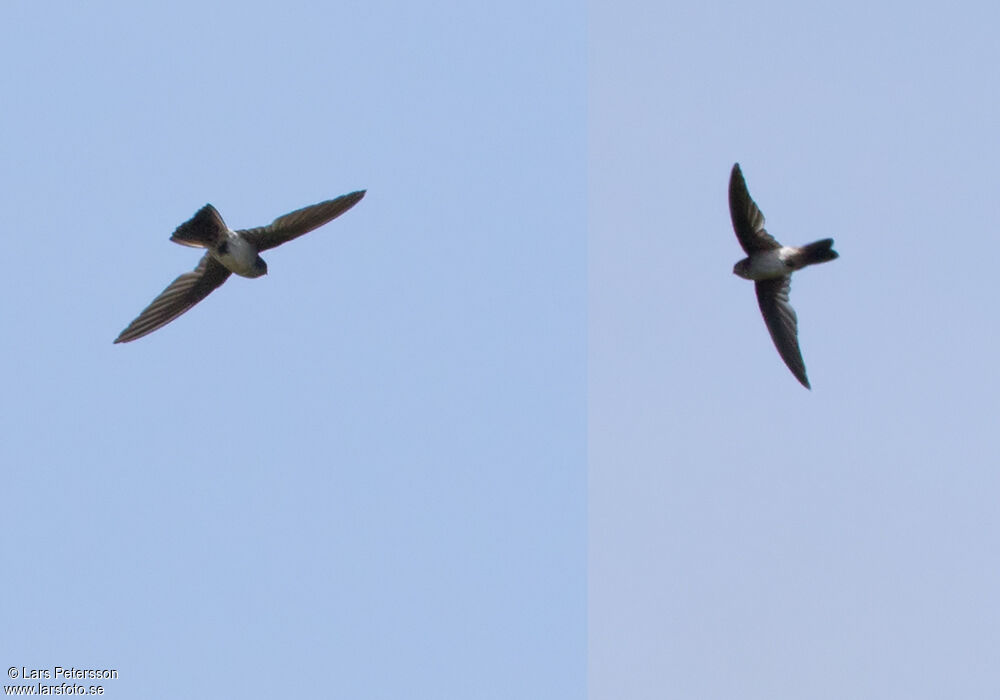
(183, 293)
(772, 297)
(289, 226)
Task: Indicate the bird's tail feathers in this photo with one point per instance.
(818, 252)
(202, 230)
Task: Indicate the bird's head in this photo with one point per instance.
(741, 269)
(259, 266)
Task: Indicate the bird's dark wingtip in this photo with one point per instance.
(736, 177)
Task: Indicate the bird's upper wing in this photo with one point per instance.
(772, 297)
(183, 293)
(748, 221)
(289, 226)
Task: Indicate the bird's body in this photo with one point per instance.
(766, 265)
(227, 252)
(232, 249)
(239, 256)
(770, 265)
(782, 261)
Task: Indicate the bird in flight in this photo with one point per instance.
(227, 252)
(770, 265)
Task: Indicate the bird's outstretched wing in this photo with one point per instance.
(772, 297)
(289, 226)
(183, 293)
(748, 221)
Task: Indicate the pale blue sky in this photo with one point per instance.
(423, 457)
(748, 538)
(361, 476)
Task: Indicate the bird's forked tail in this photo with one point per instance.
(818, 252)
(203, 230)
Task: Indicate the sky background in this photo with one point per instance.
(366, 474)
(361, 476)
(749, 538)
